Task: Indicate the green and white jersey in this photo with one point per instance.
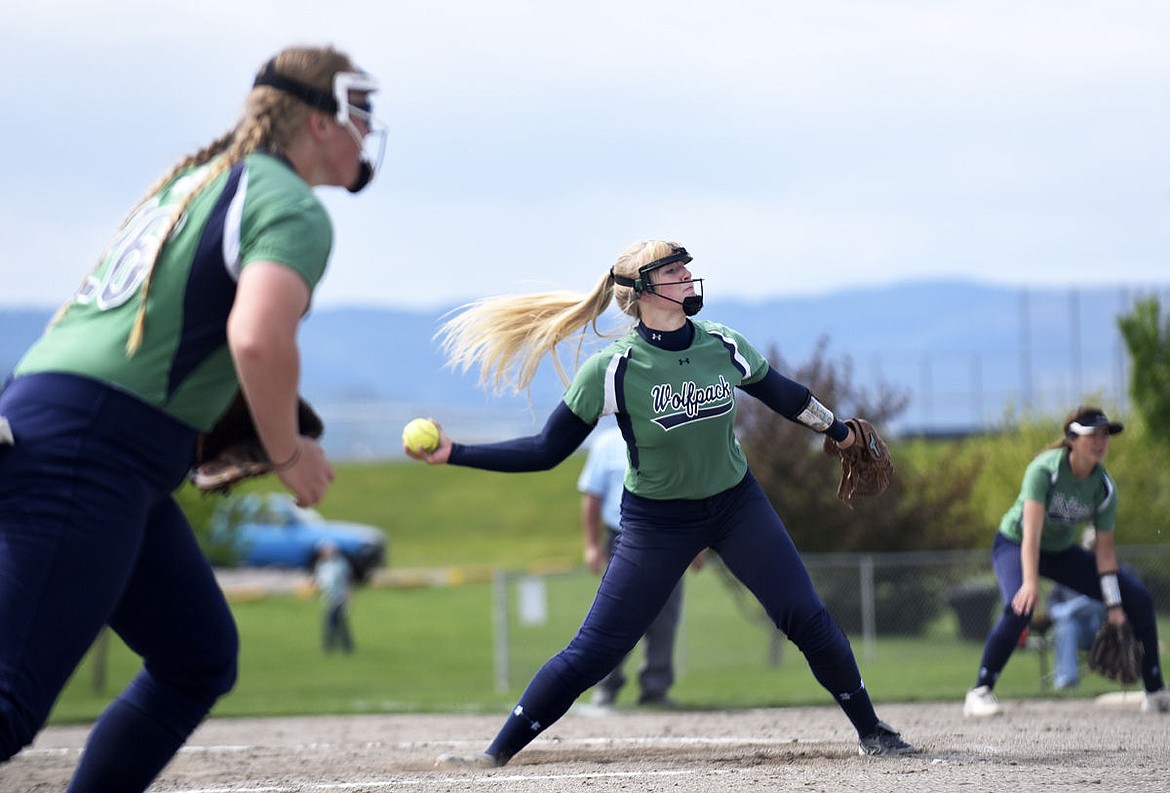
(676, 408)
(259, 210)
(1069, 503)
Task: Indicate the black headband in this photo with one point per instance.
(677, 254)
(315, 97)
(621, 280)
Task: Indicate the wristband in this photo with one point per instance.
(1110, 590)
(290, 462)
(815, 416)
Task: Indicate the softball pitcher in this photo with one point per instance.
(671, 383)
(199, 295)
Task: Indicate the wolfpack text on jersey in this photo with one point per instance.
(685, 445)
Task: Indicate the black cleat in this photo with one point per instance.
(884, 740)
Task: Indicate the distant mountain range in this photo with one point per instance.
(964, 352)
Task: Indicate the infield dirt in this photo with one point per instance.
(1066, 745)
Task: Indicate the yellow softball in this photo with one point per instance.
(421, 433)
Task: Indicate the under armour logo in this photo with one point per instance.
(683, 361)
(655, 337)
(533, 723)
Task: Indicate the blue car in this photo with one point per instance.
(270, 530)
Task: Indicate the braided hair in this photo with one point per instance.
(270, 121)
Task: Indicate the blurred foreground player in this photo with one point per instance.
(198, 297)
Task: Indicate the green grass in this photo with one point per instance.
(430, 649)
(445, 515)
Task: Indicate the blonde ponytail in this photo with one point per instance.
(507, 336)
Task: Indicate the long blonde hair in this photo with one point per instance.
(270, 121)
(507, 336)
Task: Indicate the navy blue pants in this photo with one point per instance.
(90, 535)
(1076, 568)
(659, 540)
(657, 673)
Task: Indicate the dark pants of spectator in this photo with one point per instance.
(337, 635)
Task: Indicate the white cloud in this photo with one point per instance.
(848, 141)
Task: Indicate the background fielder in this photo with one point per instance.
(1065, 488)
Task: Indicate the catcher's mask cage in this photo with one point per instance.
(344, 110)
(692, 304)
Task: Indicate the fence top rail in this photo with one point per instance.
(958, 556)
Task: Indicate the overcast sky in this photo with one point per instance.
(793, 147)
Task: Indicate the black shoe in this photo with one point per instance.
(884, 740)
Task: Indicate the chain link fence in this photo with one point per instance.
(906, 594)
(936, 596)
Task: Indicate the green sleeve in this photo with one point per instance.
(585, 396)
(1037, 480)
(299, 236)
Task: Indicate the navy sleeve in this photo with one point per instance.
(788, 398)
(562, 434)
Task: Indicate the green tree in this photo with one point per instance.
(921, 510)
(1147, 337)
(926, 507)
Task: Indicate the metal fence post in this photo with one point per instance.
(503, 660)
(868, 618)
